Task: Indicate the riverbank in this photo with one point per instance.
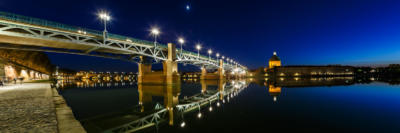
(35, 107)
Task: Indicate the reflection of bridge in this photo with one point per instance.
(213, 93)
(26, 33)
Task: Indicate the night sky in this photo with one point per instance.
(303, 32)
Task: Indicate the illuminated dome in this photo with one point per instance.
(274, 58)
(274, 61)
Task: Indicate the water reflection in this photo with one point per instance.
(158, 104)
(274, 86)
(176, 105)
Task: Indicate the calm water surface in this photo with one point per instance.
(305, 105)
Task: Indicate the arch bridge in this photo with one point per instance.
(27, 33)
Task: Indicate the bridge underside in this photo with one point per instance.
(129, 58)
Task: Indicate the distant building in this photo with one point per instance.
(295, 71)
(274, 61)
(275, 69)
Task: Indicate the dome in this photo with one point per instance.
(274, 58)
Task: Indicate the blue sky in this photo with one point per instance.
(306, 32)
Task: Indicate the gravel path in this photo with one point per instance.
(27, 108)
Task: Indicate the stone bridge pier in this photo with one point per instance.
(169, 75)
(219, 74)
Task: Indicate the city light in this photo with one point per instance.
(198, 47)
(155, 32)
(183, 124)
(181, 41)
(209, 54)
(105, 17)
(199, 115)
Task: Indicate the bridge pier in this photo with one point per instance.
(219, 74)
(169, 75)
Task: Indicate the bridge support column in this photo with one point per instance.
(144, 67)
(170, 66)
(221, 70)
(169, 75)
(203, 73)
(219, 74)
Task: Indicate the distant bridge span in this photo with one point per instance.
(26, 33)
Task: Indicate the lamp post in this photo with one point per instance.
(217, 57)
(105, 17)
(181, 41)
(209, 54)
(155, 33)
(198, 47)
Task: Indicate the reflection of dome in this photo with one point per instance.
(274, 91)
(274, 58)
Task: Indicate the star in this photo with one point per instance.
(188, 7)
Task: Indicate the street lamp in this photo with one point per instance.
(198, 47)
(155, 33)
(209, 54)
(217, 56)
(105, 17)
(181, 41)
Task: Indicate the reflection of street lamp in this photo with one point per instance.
(181, 41)
(209, 54)
(183, 124)
(155, 33)
(198, 47)
(105, 17)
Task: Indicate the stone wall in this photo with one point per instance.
(37, 61)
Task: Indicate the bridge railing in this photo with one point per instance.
(56, 25)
